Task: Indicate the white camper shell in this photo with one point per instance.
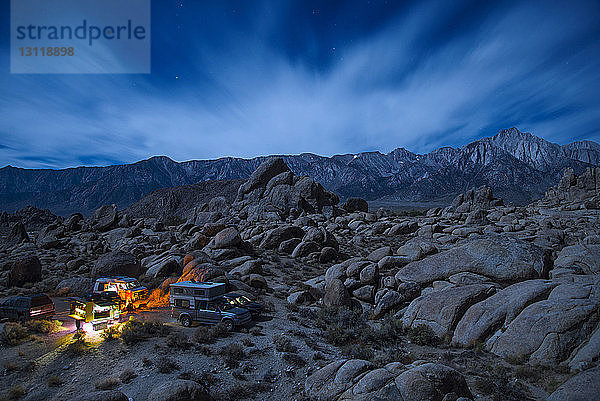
(187, 292)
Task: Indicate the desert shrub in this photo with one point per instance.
(500, 387)
(342, 326)
(147, 362)
(135, 331)
(178, 341)
(9, 366)
(255, 331)
(111, 333)
(551, 385)
(283, 343)
(247, 342)
(209, 334)
(294, 359)
(206, 378)
(241, 391)
(477, 346)
(44, 326)
(517, 359)
(166, 365)
(78, 347)
(387, 332)
(383, 357)
(14, 334)
(484, 385)
(108, 383)
(15, 392)
(204, 350)
(232, 354)
(422, 335)
(54, 381)
(128, 375)
(357, 351)
(527, 372)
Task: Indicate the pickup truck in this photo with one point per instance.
(21, 308)
(212, 312)
(193, 301)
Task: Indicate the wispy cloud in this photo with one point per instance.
(515, 65)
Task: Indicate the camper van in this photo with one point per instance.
(203, 302)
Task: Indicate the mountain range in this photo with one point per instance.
(519, 167)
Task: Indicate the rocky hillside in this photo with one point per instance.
(477, 300)
(518, 166)
(179, 202)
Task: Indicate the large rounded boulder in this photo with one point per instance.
(498, 257)
(25, 270)
(357, 379)
(106, 217)
(355, 205)
(117, 263)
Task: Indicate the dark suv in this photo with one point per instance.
(22, 308)
(243, 301)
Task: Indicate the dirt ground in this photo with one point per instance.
(47, 369)
(32, 363)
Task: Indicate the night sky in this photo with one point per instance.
(248, 78)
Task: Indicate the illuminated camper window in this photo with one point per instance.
(182, 303)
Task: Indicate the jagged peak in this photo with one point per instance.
(513, 135)
(402, 152)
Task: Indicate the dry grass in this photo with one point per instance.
(108, 383)
(44, 326)
(54, 381)
(210, 334)
(166, 365)
(283, 343)
(135, 331)
(14, 334)
(128, 375)
(78, 347)
(178, 341)
(232, 354)
(9, 367)
(15, 392)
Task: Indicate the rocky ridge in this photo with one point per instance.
(518, 166)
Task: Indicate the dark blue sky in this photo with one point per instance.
(248, 78)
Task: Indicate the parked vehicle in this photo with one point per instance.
(192, 290)
(132, 294)
(203, 302)
(243, 301)
(96, 312)
(21, 308)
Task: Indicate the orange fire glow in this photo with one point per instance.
(158, 298)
